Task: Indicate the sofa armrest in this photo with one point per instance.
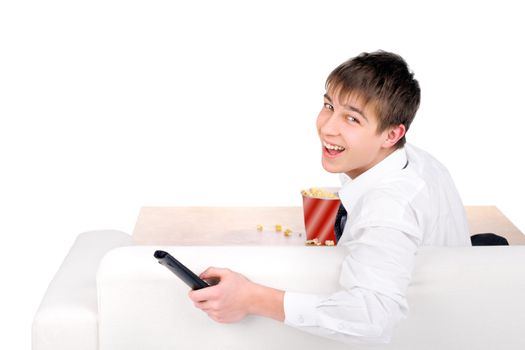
(459, 298)
(67, 316)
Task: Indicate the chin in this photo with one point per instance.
(331, 168)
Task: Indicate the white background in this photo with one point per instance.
(107, 106)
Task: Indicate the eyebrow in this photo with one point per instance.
(348, 107)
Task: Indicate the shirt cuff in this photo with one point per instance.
(300, 309)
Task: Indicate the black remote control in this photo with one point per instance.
(175, 266)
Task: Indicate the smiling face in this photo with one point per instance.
(350, 140)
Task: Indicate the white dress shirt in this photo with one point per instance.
(405, 201)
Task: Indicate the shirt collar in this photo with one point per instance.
(353, 189)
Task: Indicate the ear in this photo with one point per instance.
(393, 134)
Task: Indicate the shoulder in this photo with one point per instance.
(397, 190)
(388, 205)
(422, 162)
(396, 202)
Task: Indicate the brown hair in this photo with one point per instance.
(383, 79)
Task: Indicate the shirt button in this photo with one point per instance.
(300, 319)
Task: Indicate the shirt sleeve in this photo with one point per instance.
(372, 300)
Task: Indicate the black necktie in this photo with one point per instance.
(340, 221)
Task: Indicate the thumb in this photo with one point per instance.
(213, 273)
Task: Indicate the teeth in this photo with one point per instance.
(333, 147)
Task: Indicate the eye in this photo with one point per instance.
(328, 106)
(351, 119)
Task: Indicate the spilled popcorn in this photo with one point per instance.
(314, 241)
(317, 242)
(278, 228)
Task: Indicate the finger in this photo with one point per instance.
(212, 281)
(207, 307)
(203, 305)
(214, 316)
(197, 297)
(213, 272)
(207, 271)
(203, 294)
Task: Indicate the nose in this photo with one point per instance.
(328, 124)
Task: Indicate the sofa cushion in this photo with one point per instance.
(459, 298)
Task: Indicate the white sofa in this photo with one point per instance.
(460, 298)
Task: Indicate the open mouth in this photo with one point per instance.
(332, 149)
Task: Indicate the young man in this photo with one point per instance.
(397, 198)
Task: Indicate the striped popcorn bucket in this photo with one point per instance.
(319, 216)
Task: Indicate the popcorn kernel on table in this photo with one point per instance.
(259, 228)
(314, 241)
(317, 242)
(278, 228)
(287, 232)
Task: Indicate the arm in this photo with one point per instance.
(373, 279)
(235, 297)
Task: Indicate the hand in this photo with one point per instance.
(235, 297)
(229, 300)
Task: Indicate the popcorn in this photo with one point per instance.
(319, 193)
(278, 228)
(316, 242)
(320, 207)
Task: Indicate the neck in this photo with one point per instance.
(382, 154)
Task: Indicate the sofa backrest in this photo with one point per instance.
(459, 298)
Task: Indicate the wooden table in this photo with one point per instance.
(238, 225)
